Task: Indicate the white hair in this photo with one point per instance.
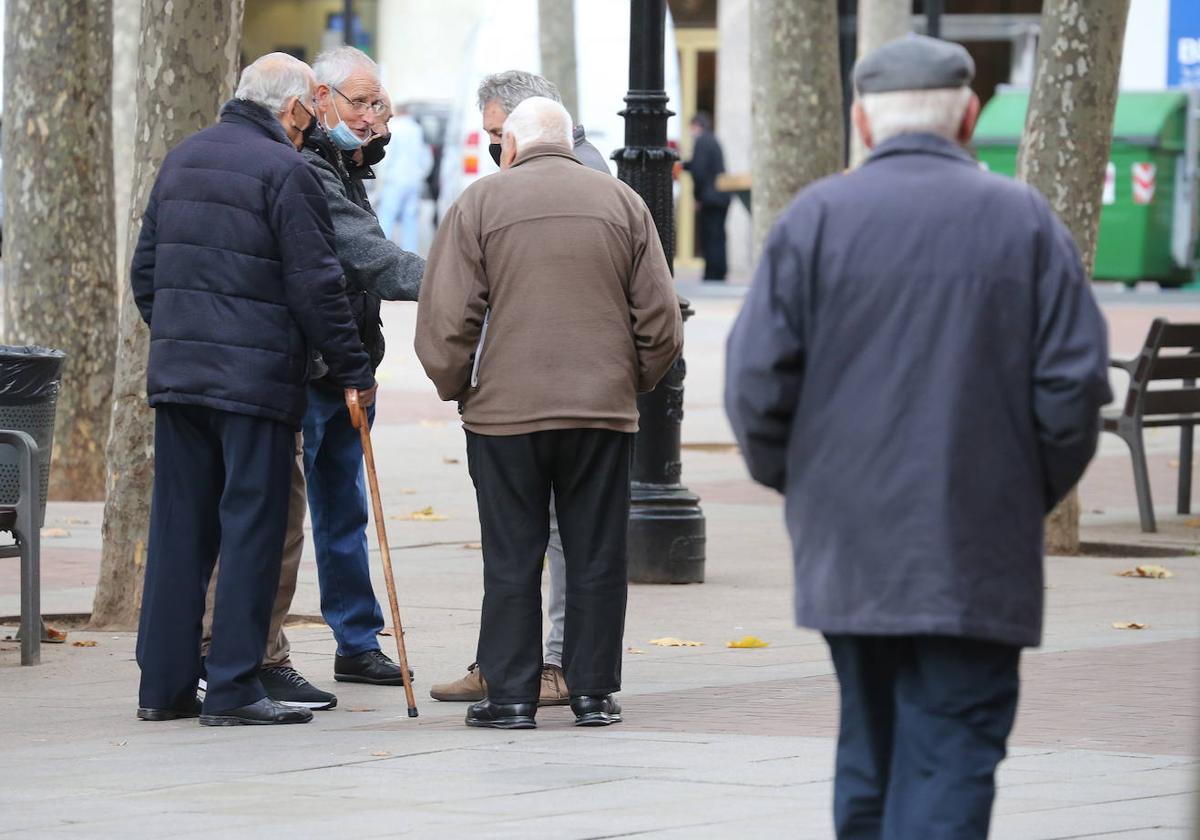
(938, 111)
(333, 67)
(273, 79)
(540, 120)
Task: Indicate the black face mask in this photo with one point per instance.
(494, 151)
(306, 133)
(373, 152)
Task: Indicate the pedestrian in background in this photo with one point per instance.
(236, 276)
(498, 96)
(708, 162)
(401, 181)
(922, 380)
(565, 267)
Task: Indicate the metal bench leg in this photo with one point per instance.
(1141, 479)
(1184, 500)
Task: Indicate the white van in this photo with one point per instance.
(507, 39)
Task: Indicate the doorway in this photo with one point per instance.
(698, 92)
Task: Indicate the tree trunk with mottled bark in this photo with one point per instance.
(127, 17)
(187, 63)
(879, 21)
(797, 102)
(556, 39)
(1064, 151)
(58, 242)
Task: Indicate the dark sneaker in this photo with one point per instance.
(262, 713)
(372, 667)
(285, 685)
(190, 710)
(596, 711)
(502, 715)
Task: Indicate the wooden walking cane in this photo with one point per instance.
(358, 417)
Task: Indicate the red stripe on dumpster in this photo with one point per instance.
(1143, 183)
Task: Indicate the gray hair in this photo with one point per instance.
(512, 87)
(938, 111)
(540, 120)
(273, 79)
(333, 67)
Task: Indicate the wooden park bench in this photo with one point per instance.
(1171, 354)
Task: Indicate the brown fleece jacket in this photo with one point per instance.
(582, 314)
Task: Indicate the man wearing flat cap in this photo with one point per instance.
(918, 367)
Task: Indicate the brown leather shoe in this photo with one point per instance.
(469, 689)
(554, 687)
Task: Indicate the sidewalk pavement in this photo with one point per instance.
(717, 742)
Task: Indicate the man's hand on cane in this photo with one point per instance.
(358, 401)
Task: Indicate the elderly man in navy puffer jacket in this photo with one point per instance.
(236, 275)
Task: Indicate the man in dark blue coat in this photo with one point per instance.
(236, 276)
(919, 367)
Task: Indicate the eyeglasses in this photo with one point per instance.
(362, 106)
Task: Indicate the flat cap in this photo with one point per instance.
(914, 62)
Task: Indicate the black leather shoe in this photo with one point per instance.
(371, 667)
(263, 713)
(170, 714)
(502, 715)
(596, 711)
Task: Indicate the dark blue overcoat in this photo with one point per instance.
(918, 367)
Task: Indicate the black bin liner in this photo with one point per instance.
(29, 383)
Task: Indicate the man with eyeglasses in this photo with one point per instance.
(347, 105)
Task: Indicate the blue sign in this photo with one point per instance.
(1183, 44)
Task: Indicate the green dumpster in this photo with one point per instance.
(1139, 212)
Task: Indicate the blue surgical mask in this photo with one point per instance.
(341, 135)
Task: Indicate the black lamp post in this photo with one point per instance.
(666, 525)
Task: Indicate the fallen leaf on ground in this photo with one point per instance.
(449, 460)
(1173, 464)
(407, 491)
(432, 424)
(84, 643)
(634, 650)
(422, 515)
(118, 743)
(1151, 571)
(55, 533)
(74, 520)
(1128, 625)
(747, 642)
(361, 709)
(473, 546)
(1193, 523)
(671, 641)
(381, 753)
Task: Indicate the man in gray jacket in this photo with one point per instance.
(922, 379)
(499, 95)
(348, 105)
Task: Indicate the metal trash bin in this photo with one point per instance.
(29, 385)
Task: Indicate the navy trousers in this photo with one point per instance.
(220, 487)
(924, 721)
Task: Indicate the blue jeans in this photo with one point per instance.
(337, 502)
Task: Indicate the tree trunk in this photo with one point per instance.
(879, 21)
(127, 17)
(556, 38)
(187, 64)
(58, 244)
(1064, 151)
(797, 102)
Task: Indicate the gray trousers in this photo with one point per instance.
(557, 607)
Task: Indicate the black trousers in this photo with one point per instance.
(712, 240)
(588, 470)
(221, 484)
(924, 722)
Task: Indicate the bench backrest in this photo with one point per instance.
(1171, 352)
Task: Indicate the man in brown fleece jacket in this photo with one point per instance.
(547, 306)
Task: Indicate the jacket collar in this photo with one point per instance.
(921, 144)
(249, 113)
(319, 143)
(541, 150)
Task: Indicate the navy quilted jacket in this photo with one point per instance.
(236, 274)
